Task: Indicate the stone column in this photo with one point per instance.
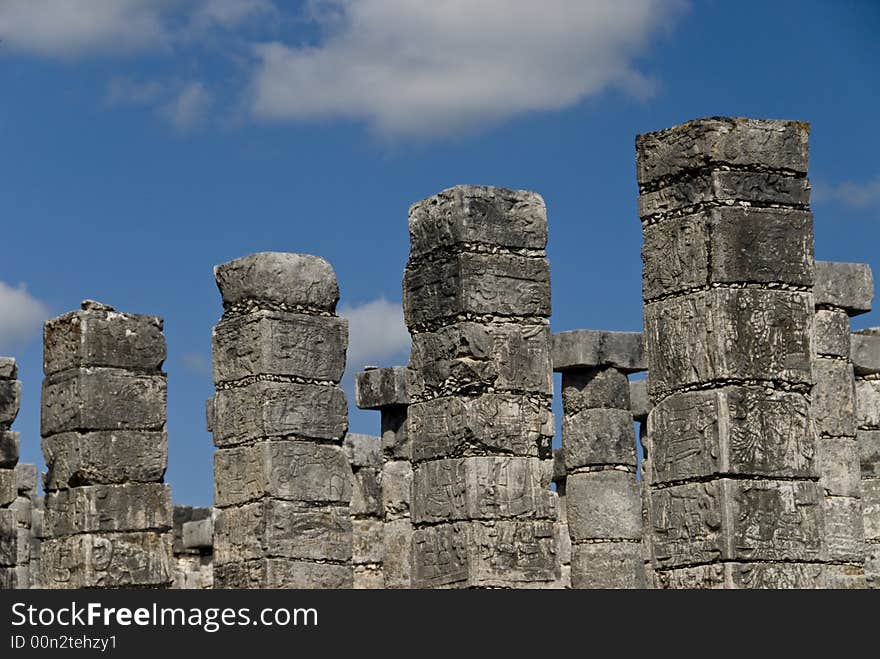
(282, 483)
(476, 301)
(107, 511)
(641, 405)
(728, 291)
(385, 389)
(865, 351)
(364, 454)
(11, 556)
(601, 494)
(193, 550)
(26, 490)
(842, 290)
(559, 480)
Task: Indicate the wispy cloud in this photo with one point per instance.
(188, 107)
(184, 105)
(122, 90)
(376, 332)
(21, 315)
(849, 193)
(197, 363)
(433, 68)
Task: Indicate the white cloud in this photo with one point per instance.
(376, 332)
(188, 107)
(849, 193)
(431, 68)
(21, 315)
(128, 91)
(230, 13)
(197, 363)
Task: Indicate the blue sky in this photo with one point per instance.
(147, 141)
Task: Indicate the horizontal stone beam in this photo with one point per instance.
(376, 388)
(865, 351)
(594, 349)
(848, 286)
(198, 534)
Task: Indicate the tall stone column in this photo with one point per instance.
(364, 453)
(385, 389)
(11, 556)
(728, 291)
(107, 510)
(865, 350)
(842, 290)
(282, 483)
(602, 501)
(476, 301)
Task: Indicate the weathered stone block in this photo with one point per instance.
(26, 479)
(595, 387)
(559, 470)
(480, 554)
(743, 575)
(458, 426)
(845, 577)
(8, 490)
(834, 405)
(10, 401)
(832, 333)
(847, 286)
(479, 488)
(607, 565)
(481, 284)
(864, 352)
(623, 351)
(740, 430)
(868, 404)
(198, 534)
(8, 537)
(378, 388)
(871, 509)
(837, 460)
(279, 278)
(723, 141)
(366, 492)
(466, 214)
(395, 433)
(603, 505)
(209, 414)
(279, 409)
(599, 437)
(180, 516)
(368, 577)
(282, 529)
(97, 508)
(476, 357)
(397, 482)
(102, 399)
(872, 566)
(363, 450)
(844, 532)
(106, 561)
(279, 343)
(728, 333)
(397, 553)
(367, 538)
(8, 368)
(104, 457)
(639, 401)
(9, 448)
(103, 337)
(869, 453)
(282, 573)
(296, 471)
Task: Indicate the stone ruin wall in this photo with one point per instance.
(758, 418)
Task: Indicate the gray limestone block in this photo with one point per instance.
(104, 457)
(26, 478)
(479, 488)
(725, 187)
(368, 577)
(599, 437)
(467, 214)
(511, 554)
(8, 537)
(584, 388)
(37, 526)
(486, 424)
(868, 403)
(869, 453)
(102, 399)
(14, 578)
(280, 278)
(107, 561)
(736, 520)
(832, 335)
(378, 388)
(738, 430)
(872, 566)
(729, 333)
(8, 489)
(22, 546)
(10, 401)
(474, 357)
(845, 577)
(366, 540)
(608, 565)
(603, 505)
(397, 489)
(844, 530)
(209, 414)
(834, 398)
(837, 459)
(180, 515)
(864, 352)
(395, 435)
(279, 409)
(728, 245)
(198, 534)
(282, 573)
(23, 509)
(366, 492)
(397, 553)
(98, 337)
(283, 529)
(871, 509)
(98, 508)
(8, 368)
(363, 450)
(10, 442)
(295, 471)
(723, 141)
(480, 284)
(639, 401)
(559, 470)
(280, 343)
(743, 576)
(848, 286)
(623, 351)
